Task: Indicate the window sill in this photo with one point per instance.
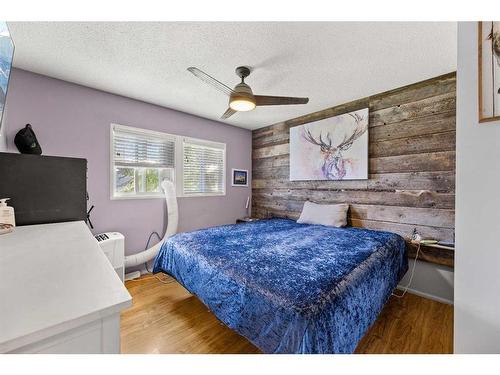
(200, 195)
(125, 197)
(162, 196)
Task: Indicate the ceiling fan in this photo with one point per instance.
(241, 98)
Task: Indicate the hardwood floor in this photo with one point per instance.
(165, 318)
(410, 325)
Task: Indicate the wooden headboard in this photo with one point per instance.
(411, 181)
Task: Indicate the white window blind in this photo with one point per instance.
(136, 149)
(203, 168)
(141, 159)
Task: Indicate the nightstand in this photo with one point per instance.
(246, 220)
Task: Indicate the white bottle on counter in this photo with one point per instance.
(6, 213)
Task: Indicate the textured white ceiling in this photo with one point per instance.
(331, 63)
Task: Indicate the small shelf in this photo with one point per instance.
(246, 220)
(432, 253)
(438, 246)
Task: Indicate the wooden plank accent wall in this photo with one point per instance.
(411, 181)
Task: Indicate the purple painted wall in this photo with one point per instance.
(72, 120)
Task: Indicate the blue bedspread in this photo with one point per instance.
(288, 287)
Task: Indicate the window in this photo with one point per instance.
(203, 167)
(141, 159)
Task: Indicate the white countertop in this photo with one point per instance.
(53, 277)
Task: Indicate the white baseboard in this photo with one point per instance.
(427, 295)
(430, 281)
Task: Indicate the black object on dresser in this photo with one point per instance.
(44, 189)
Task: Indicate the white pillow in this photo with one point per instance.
(333, 215)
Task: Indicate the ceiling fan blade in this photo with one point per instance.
(228, 113)
(211, 81)
(279, 100)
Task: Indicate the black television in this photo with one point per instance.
(44, 189)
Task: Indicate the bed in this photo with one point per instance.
(289, 287)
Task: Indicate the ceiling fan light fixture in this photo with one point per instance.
(241, 98)
(242, 104)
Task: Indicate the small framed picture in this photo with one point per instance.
(489, 71)
(240, 177)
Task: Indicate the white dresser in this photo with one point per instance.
(58, 292)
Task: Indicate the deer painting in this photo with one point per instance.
(489, 70)
(334, 141)
(494, 36)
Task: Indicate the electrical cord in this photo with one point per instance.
(146, 263)
(405, 289)
(166, 280)
(147, 246)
